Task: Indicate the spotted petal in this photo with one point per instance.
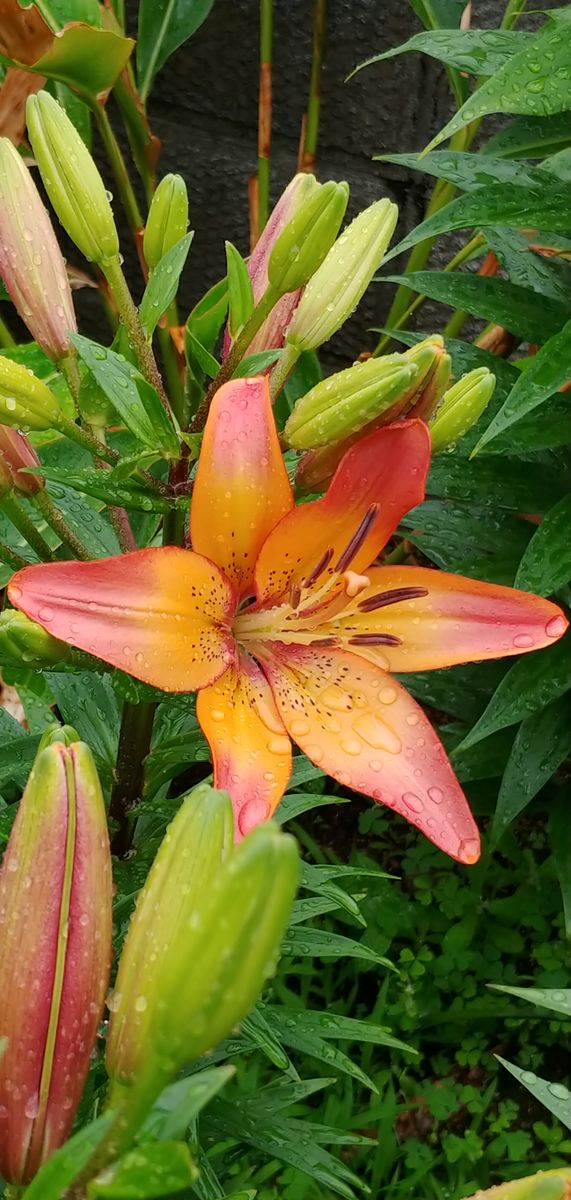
(250, 748)
(241, 489)
(377, 482)
(162, 615)
(360, 726)
(441, 619)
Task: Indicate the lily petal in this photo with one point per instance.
(241, 489)
(377, 482)
(161, 615)
(360, 726)
(457, 620)
(250, 748)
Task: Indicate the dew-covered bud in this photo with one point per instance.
(25, 401)
(544, 1185)
(27, 644)
(71, 179)
(434, 366)
(17, 453)
(167, 221)
(55, 951)
(337, 287)
(462, 405)
(194, 846)
(303, 244)
(31, 262)
(344, 403)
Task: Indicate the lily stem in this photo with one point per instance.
(11, 558)
(130, 317)
(134, 745)
(6, 339)
(119, 167)
(256, 319)
(283, 368)
(23, 523)
(264, 112)
(54, 517)
(311, 126)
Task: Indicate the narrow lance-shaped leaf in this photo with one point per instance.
(476, 51)
(550, 369)
(163, 26)
(163, 284)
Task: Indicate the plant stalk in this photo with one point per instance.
(130, 317)
(6, 339)
(282, 370)
(54, 517)
(128, 198)
(25, 526)
(11, 558)
(134, 745)
(311, 127)
(264, 112)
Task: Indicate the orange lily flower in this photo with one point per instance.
(278, 619)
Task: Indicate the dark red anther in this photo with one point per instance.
(375, 639)
(394, 596)
(352, 547)
(319, 568)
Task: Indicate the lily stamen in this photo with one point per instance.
(394, 596)
(354, 544)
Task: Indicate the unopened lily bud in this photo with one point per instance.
(345, 274)
(271, 334)
(71, 179)
(167, 221)
(31, 262)
(55, 951)
(195, 845)
(308, 236)
(544, 1185)
(24, 642)
(462, 405)
(25, 401)
(6, 480)
(342, 404)
(17, 452)
(434, 366)
(228, 947)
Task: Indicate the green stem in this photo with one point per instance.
(134, 745)
(6, 339)
(87, 441)
(455, 325)
(119, 517)
(265, 112)
(130, 316)
(255, 321)
(119, 167)
(56, 519)
(22, 522)
(311, 132)
(11, 558)
(70, 371)
(462, 256)
(397, 555)
(283, 368)
(513, 11)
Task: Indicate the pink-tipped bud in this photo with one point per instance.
(271, 335)
(31, 262)
(55, 951)
(17, 452)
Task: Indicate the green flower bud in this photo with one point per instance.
(342, 404)
(71, 179)
(303, 244)
(25, 643)
(195, 845)
(230, 947)
(167, 221)
(544, 1185)
(434, 366)
(337, 287)
(462, 405)
(25, 402)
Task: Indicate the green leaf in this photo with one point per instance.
(546, 563)
(89, 60)
(310, 943)
(296, 803)
(536, 81)
(548, 276)
(545, 375)
(333, 1025)
(554, 1096)
(560, 834)
(476, 51)
(17, 758)
(462, 691)
(134, 399)
(463, 169)
(255, 364)
(495, 204)
(197, 356)
(542, 743)
(530, 137)
(163, 283)
(496, 300)
(208, 316)
(111, 491)
(531, 683)
(240, 294)
(478, 540)
(150, 1171)
(163, 26)
(509, 483)
(180, 1103)
(557, 1000)
(87, 702)
(256, 1028)
(65, 1164)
